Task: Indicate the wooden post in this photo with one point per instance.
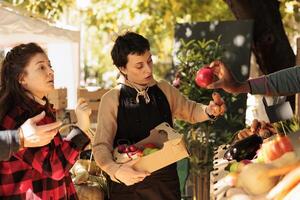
(297, 97)
(298, 52)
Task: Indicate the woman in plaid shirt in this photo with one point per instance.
(40, 172)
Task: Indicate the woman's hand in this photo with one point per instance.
(216, 107)
(32, 135)
(83, 112)
(127, 175)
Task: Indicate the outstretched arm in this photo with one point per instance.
(283, 82)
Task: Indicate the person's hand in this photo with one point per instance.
(127, 175)
(216, 107)
(36, 136)
(225, 79)
(83, 112)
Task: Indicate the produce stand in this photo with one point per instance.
(278, 178)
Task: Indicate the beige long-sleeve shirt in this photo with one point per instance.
(181, 108)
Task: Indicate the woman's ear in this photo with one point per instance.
(22, 80)
(123, 70)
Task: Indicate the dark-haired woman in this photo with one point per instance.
(40, 172)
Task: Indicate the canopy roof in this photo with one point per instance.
(18, 26)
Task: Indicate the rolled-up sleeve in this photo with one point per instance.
(283, 82)
(9, 143)
(181, 107)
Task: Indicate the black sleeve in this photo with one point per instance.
(9, 143)
(78, 137)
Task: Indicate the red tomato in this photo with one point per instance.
(271, 153)
(132, 148)
(285, 143)
(276, 149)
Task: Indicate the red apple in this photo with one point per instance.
(204, 76)
(149, 145)
(285, 143)
(121, 148)
(126, 150)
(132, 148)
(139, 153)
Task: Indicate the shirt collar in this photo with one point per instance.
(142, 90)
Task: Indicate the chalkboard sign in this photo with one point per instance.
(236, 38)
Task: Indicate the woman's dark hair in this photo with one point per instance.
(11, 91)
(129, 43)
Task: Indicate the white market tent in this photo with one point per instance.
(61, 44)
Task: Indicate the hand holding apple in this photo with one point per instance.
(226, 81)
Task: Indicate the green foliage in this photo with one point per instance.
(202, 137)
(45, 9)
(192, 56)
(288, 126)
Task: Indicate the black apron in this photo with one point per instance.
(135, 120)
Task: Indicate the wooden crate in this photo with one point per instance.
(93, 98)
(73, 119)
(58, 98)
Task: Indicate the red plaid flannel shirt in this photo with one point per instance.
(41, 172)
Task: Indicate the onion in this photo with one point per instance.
(254, 180)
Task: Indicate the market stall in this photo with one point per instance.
(260, 164)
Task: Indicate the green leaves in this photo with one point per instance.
(202, 137)
(43, 8)
(193, 55)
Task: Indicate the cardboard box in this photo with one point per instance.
(172, 145)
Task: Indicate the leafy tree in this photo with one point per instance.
(46, 9)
